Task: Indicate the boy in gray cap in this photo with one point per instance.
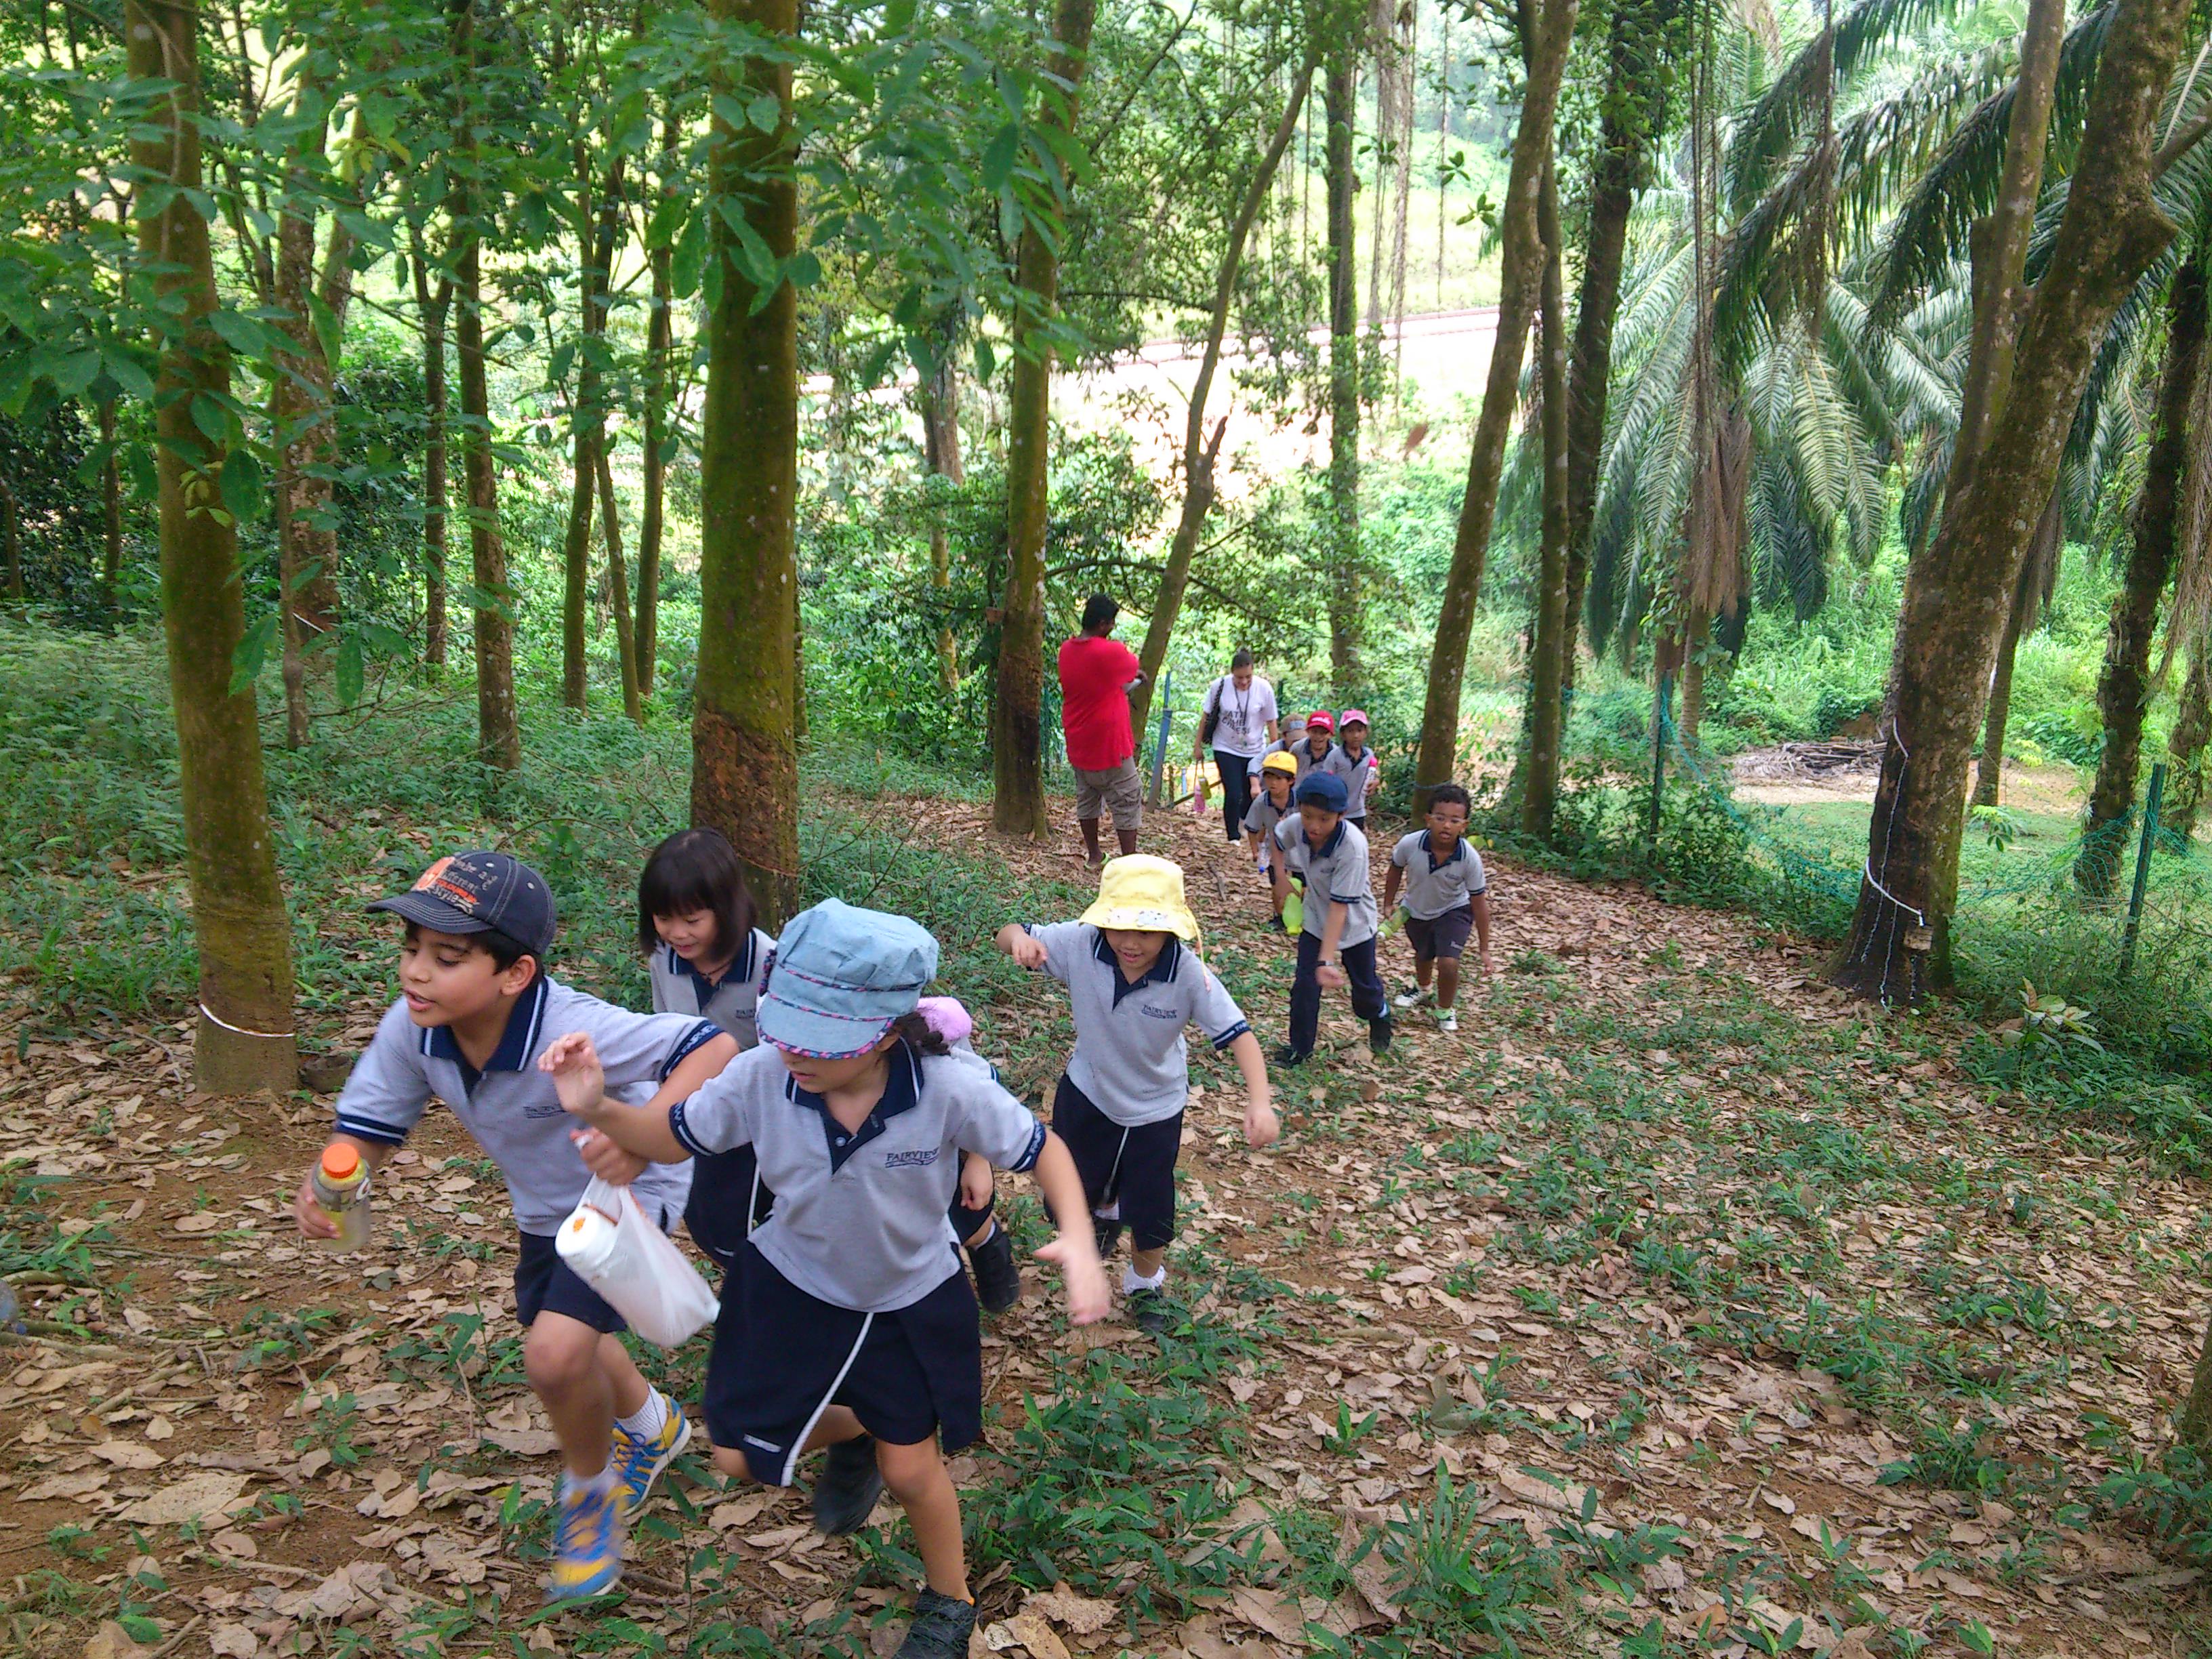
(1337, 946)
(853, 1327)
(476, 1015)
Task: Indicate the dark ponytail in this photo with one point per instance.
(915, 1032)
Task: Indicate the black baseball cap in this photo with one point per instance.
(475, 892)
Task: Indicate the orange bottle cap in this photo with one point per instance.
(341, 1161)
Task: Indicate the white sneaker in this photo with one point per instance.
(1411, 997)
(1448, 1020)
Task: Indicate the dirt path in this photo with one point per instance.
(1757, 1320)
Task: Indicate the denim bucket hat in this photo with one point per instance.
(840, 976)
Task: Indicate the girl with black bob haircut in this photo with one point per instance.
(695, 926)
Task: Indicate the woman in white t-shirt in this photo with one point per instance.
(1240, 708)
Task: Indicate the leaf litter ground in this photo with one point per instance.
(1675, 1305)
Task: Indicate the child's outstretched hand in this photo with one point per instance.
(976, 1182)
(606, 1160)
(578, 1077)
(1077, 1257)
(1027, 951)
(313, 1223)
(1261, 1127)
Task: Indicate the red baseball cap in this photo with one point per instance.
(1322, 718)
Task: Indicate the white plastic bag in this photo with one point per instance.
(609, 1244)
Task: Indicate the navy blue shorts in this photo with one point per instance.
(1133, 1167)
(545, 1284)
(1442, 936)
(782, 1357)
(725, 1189)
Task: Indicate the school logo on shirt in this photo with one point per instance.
(1150, 1012)
(921, 1158)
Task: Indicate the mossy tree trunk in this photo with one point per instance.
(745, 754)
(244, 1041)
(2192, 727)
(1539, 770)
(498, 738)
(433, 305)
(111, 515)
(617, 581)
(659, 345)
(2123, 685)
(1017, 709)
(1956, 593)
(1551, 26)
(1340, 100)
(595, 238)
(940, 456)
(1198, 455)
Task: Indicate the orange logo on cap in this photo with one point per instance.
(434, 880)
(429, 877)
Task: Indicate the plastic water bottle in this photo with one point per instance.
(341, 1188)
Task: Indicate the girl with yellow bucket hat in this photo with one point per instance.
(1135, 980)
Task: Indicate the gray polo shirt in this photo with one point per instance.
(860, 1217)
(1434, 889)
(1337, 870)
(1130, 1057)
(511, 1107)
(729, 1001)
(1357, 774)
(1261, 816)
(1296, 748)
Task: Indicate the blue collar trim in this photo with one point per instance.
(902, 1093)
(740, 970)
(1161, 972)
(1459, 852)
(517, 1044)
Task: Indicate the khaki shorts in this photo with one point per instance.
(1116, 788)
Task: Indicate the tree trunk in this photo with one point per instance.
(432, 306)
(111, 515)
(659, 342)
(595, 250)
(745, 755)
(1017, 715)
(1699, 629)
(2195, 1428)
(499, 738)
(1956, 593)
(617, 583)
(11, 537)
(1198, 455)
(1341, 106)
(940, 451)
(1989, 771)
(1540, 778)
(1552, 24)
(1634, 106)
(2124, 688)
(2192, 727)
(244, 1041)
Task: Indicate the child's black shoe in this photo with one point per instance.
(1275, 924)
(1378, 1035)
(848, 1488)
(940, 1629)
(1148, 1311)
(997, 1280)
(1287, 1055)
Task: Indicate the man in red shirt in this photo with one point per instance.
(1096, 673)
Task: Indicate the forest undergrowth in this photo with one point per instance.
(1676, 1306)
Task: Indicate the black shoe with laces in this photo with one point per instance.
(1287, 1056)
(940, 1629)
(1275, 924)
(849, 1484)
(1148, 1311)
(1107, 1234)
(997, 1280)
(1378, 1035)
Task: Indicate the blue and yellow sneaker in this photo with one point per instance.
(587, 1544)
(637, 1462)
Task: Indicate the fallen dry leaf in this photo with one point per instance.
(112, 1641)
(1085, 1615)
(1038, 1637)
(213, 1492)
(128, 1455)
(232, 1642)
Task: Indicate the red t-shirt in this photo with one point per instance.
(1094, 701)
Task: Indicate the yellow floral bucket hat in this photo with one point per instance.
(1140, 891)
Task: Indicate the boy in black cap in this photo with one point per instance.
(1337, 946)
(475, 1012)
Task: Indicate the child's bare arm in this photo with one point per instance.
(574, 1065)
(1017, 942)
(1261, 1127)
(1332, 930)
(1390, 888)
(1482, 929)
(1076, 1248)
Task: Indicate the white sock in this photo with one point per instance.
(990, 1232)
(647, 1420)
(1133, 1281)
(1111, 1213)
(587, 1486)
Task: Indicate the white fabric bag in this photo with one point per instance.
(609, 1244)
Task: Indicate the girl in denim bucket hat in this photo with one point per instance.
(853, 1326)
